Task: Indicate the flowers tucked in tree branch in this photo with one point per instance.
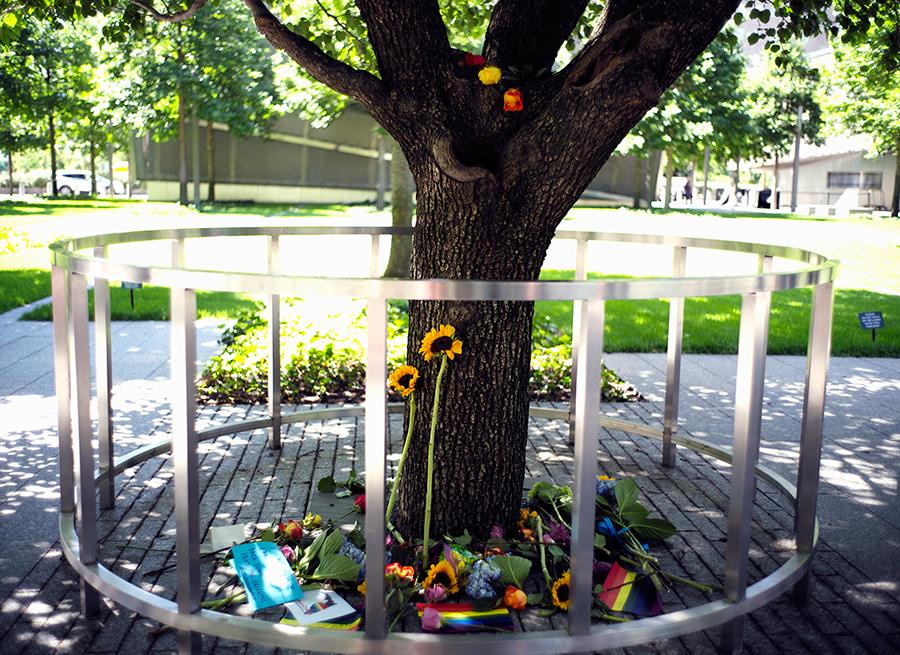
(512, 100)
(490, 75)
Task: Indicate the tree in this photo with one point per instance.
(784, 84)
(54, 70)
(16, 133)
(492, 184)
(866, 93)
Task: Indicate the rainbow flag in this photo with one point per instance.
(351, 622)
(463, 617)
(627, 591)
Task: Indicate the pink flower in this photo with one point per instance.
(435, 593)
(288, 553)
(360, 502)
(431, 619)
(496, 532)
(471, 60)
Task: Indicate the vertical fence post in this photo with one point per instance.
(103, 368)
(273, 267)
(673, 361)
(587, 434)
(375, 258)
(376, 417)
(63, 380)
(581, 247)
(85, 488)
(184, 453)
(817, 355)
(752, 345)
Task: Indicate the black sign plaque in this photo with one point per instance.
(871, 320)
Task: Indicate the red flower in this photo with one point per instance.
(292, 529)
(360, 502)
(405, 573)
(473, 61)
(512, 100)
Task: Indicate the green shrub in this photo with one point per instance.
(323, 356)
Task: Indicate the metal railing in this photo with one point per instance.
(77, 260)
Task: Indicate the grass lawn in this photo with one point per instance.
(711, 323)
(869, 250)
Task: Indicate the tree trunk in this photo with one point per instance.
(895, 201)
(93, 163)
(51, 133)
(639, 176)
(182, 149)
(402, 188)
(110, 168)
(210, 162)
(737, 179)
(670, 171)
(9, 169)
(705, 173)
(775, 203)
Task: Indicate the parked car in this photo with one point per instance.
(76, 183)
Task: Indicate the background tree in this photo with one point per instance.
(865, 93)
(54, 70)
(17, 133)
(492, 185)
(781, 84)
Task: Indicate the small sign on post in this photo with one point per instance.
(871, 321)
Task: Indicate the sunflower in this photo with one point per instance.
(403, 379)
(441, 341)
(442, 573)
(562, 592)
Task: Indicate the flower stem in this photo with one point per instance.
(396, 485)
(543, 549)
(430, 481)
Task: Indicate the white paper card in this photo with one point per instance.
(319, 606)
(225, 536)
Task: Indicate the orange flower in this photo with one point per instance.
(512, 100)
(293, 529)
(403, 573)
(515, 598)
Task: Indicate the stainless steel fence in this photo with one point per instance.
(77, 260)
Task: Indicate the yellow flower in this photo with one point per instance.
(312, 521)
(489, 75)
(604, 477)
(441, 341)
(403, 379)
(442, 573)
(525, 516)
(362, 588)
(562, 592)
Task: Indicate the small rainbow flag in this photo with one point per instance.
(463, 617)
(351, 623)
(626, 591)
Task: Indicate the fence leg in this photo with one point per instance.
(63, 372)
(103, 368)
(587, 434)
(752, 345)
(817, 356)
(274, 350)
(85, 489)
(673, 362)
(580, 274)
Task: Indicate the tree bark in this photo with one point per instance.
(670, 171)
(110, 168)
(93, 156)
(9, 169)
(182, 149)
(639, 176)
(895, 201)
(402, 188)
(51, 133)
(210, 162)
(775, 202)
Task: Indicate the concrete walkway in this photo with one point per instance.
(859, 509)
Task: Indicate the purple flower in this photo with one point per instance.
(496, 532)
(559, 533)
(601, 568)
(435, 593)
(431, 619)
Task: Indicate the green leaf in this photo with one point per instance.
(654, 529)
(267, 535)
(462, 540)
(336, 567)
(626, 493)
(513, 569)
(326, 485)
(10, 20)
(332, 543)
(634, 513)
(311, 551)
(557, 552)
(534, 599)
(599, 541)
(343, 493)
(549, 611)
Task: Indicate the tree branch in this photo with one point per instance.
(530, 33)
(449, 163)
(410, 41)
(359, 85)
(147, 6)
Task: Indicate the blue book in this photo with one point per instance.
(266, 575)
